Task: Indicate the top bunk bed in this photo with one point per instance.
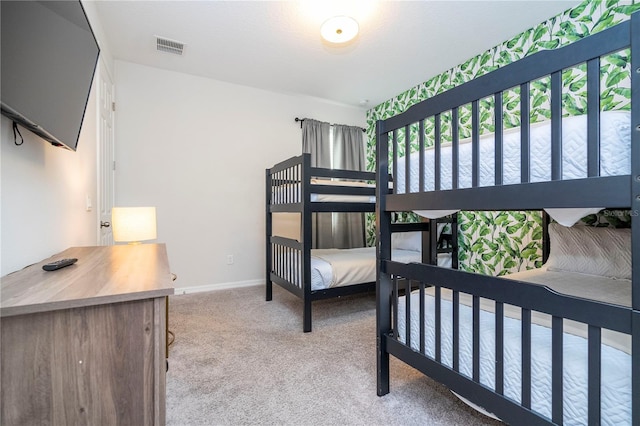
(294, 186)
(455, 327)
(501, 170)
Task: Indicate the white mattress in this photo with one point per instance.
(340, 267)
(614, 154)
(616, 361)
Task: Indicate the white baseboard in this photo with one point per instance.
(218, 286)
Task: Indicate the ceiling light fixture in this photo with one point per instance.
(339, 29)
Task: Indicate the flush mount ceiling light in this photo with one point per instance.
(339, 29)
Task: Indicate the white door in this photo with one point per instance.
(106, 163)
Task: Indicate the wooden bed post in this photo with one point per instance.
(635, 219)
(383, 252)
(429, 242)
(268, 229)
(306, 231)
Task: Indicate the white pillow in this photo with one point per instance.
(589, 250)
(406, 241)
(411, 240)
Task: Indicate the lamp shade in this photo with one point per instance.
(133, 224)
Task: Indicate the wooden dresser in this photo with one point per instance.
(85, 345)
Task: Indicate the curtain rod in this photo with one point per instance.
(333, 124)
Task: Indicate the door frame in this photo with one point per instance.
(105, 145)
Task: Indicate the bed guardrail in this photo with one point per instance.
(294, 182)
(286, 263)
(529, 298)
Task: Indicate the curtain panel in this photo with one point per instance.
(316, 141)
(348, 153)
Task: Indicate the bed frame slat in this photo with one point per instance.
(499, 135)
(525, 134)
(526, 357)
(455, 149)
(407, 159)
(593, 121)
(421, 170)
(556, 125)
(407, 311)
(396, 299)
(437, 158)
(595, 363)
(499, 348)
(422, 315)
(475, 144)
(456, 331)
(433, 241)
(476, 339)
(454, 238)
(395, 160)
(438, 323)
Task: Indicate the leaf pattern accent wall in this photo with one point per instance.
(497, 243)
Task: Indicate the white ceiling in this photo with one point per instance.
(276, 45)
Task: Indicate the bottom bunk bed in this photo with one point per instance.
(497, 334)
(341, 272)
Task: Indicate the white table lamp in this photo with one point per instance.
(133, 224)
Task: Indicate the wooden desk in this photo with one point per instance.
(86, 344)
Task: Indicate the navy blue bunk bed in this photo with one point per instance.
(445, 296)
(293, 186)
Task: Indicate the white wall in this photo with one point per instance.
(44, 189)
(197, 149)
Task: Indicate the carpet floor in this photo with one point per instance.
(239, 360)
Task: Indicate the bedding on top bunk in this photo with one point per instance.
(587, 262)
(615, 143)
(282, 193)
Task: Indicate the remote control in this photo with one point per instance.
(58, 264)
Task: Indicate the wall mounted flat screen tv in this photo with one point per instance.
(48, 59)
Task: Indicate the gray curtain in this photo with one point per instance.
(348, 154)
(315, 141)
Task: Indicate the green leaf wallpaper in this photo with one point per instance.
(498, 243)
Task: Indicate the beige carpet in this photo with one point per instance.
(239, 360)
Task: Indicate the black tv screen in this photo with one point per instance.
(48, 58)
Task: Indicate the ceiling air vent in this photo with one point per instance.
(170, 46)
